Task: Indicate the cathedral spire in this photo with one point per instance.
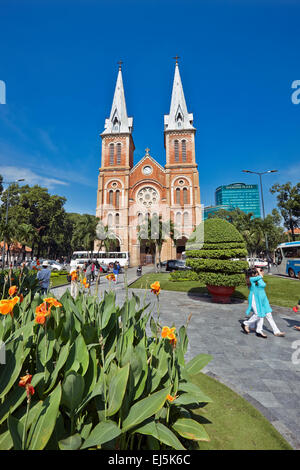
(118, 121)
(178, 117)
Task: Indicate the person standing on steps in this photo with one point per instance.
(258, 303)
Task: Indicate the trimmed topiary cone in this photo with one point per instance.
(220, 261)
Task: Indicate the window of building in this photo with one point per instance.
(111, 154)
(109, 220)
(119, 147)
(177, 196)
(117, 219)
(186, 219)
(110, 197)
(117, 198)
(176, 150)
(185, 196)
(183, 150)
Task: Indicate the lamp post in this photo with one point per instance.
(260, 173)
(6, 215)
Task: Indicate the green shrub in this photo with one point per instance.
(183, 276)
(221, 260)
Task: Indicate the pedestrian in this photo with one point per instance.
(88, 272)
(93, 270)
(258, 304)
(116, 270)
(43, 277)
(296, 309)
(74, 273)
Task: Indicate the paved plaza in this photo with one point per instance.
(264, 371)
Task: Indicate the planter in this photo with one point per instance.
(220, 294)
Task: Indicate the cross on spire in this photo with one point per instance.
(176, 59)
(120, 64)
(147, 150)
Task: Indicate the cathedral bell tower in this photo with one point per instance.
(116, 163)
(182, 178)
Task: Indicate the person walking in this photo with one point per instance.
(43, 277)
(74, 273)
(88, 272)
(258, 303)
(116, 270)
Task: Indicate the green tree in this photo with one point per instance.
(288, 201)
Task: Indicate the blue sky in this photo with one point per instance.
(238, 60)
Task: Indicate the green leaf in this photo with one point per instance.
(104, 431)
(197, 363)
(190, 429)
(108, 307)
(16, 429)
(16, 353)
(63, 356)
(81, 354)
(145, 408)
(117, 389)
(70, 443)
(161, 433)
(195, 391)
(42, 428)
(72, 390)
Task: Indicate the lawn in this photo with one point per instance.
(284, 292)
(232, 423)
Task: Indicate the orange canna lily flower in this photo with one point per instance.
(12, 290)
(26, 383)
(42, 309)
(40, 319)
(155, 288)
(53, 302)
(111, 277)
(170, 398)
(7, 305)
(26, 379)
(168, 333)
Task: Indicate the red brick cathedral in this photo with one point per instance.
(128, 194)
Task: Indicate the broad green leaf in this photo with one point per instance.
(63, 355)
(161, 433)
(189, 387)
(16, 353)
(190, 429)
(16, 429)
(81, 354)
(70, 443)
(104, 431)
(42, 428)
(72, 390)
(117, 389)
(145, 408)
(108, 307)
(197, 363)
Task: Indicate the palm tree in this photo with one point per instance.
(155, 232)
(24, 235)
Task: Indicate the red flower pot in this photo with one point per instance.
(221, 294)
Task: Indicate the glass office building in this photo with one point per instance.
(239, 195)
(213, 209)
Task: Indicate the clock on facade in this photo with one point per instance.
(147, 170)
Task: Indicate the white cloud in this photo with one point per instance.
(13, 173)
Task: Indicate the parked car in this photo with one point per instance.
(257, 262)
(55, 266)
(176, 265)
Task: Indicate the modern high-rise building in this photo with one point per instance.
(240, 195)
(213, 209)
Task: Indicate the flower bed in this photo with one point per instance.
(83, 374)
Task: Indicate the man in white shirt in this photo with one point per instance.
(43, 277)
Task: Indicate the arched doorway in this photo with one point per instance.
(147, 252)
(180, 246)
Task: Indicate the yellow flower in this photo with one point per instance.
(170, 398)
(7, 305)
(53, 302)
(155, 288)
(169, 334)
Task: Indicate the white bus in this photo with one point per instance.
(103, 257)
(287, 259)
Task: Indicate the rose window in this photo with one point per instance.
(147, 197)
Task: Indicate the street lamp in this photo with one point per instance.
(260, 173)
(6, 215)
